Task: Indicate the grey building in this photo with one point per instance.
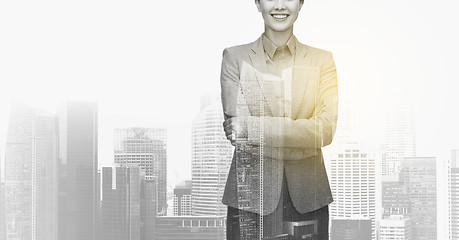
(147, 149)
(126, 195)
(395, 195)
(400, 139)
(182, 199)
(412, 193)
(78, 184)
(420, 172)
(31, 190)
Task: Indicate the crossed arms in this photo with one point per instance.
(296, 138)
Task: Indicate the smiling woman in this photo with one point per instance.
(280, 101)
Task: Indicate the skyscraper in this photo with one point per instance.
(211, 156)
(420, 173)
(120, 207)
(395, 195)
(400, 137)
(412, 193)
(31, 190)
(147, 149)
(78, 184)
(182, 199)
(352, 177)
(453, 195)
(353, 184)
(124, 202)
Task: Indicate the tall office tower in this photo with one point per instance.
(149, 208)
(352, 174)
(396, 227)
(31, 190)
(211, 156)
(413, 194)
(124, 203)
(453, 195)
(353, 184)
(395, 195)
(182, 199)
(420, 173)
(78, 184)
(146, 148)
(400, 137)
(120, 207)
(351, 229)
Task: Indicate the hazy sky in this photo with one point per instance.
(148, 62)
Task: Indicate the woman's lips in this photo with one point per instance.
(279, 16)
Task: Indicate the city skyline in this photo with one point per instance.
(347, 124)
(151, 99)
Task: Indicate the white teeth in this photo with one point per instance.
(279, 16)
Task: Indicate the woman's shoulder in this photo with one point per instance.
(238, 50)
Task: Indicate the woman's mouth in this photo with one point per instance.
(279, 16)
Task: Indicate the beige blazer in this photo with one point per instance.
(285, 129)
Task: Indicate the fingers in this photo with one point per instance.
(228, 127)
(232, 139)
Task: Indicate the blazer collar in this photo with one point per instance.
(257, 57)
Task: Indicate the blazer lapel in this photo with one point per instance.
(257, 58)
(299, 80)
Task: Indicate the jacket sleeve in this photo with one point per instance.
(315, 132)
(229, 80)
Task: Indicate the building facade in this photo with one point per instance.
(190, 227)
(147, 149)
(182, 199)
(412, 193)
(351, 229)
(420, 174)
(400, 136)
(395, 227)
(124, 204)
(211, 156)
(31, 190)
(353, 184)
(78, 174)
